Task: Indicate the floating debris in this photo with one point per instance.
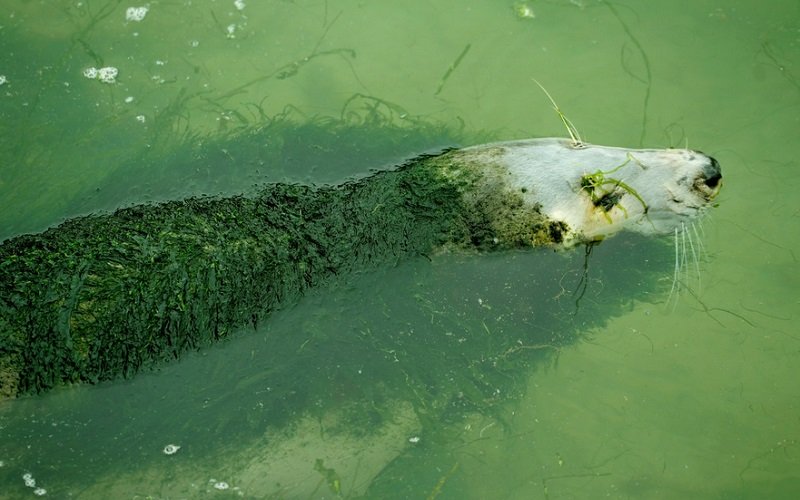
(523, 10)
(3, 80)
(221, 485)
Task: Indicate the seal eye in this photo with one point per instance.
(609, 200)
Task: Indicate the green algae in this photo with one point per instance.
(103, 296)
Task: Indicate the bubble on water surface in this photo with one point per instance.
(107, 74)
(136, 13)
(171, 449)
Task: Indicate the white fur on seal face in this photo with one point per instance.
(659, 188)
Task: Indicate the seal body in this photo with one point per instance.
(106, 295)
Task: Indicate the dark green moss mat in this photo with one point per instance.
(102, 296)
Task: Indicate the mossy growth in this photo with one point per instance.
(106, 295)
(606, 192)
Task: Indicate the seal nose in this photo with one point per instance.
(712, 174)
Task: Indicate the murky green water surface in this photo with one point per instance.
(427, 380)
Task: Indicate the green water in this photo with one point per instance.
(694, 400)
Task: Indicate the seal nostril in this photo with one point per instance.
(713, 181)
(713, 174)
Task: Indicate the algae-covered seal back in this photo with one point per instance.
(106, 295)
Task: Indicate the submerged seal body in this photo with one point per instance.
(103, 296)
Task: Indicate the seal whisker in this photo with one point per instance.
(687, 245)
(684, 255)
(675, 272)
(700, 229)
(699, 236)
(695, 255)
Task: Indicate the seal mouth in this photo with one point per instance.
(709, 182)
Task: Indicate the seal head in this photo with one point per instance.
(590, 192)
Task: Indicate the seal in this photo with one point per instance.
(106, 295)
